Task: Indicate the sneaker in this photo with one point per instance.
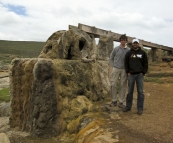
(113, 103)
(139, 112)
(126, 109)
(120, 105)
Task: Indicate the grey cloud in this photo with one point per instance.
(148, 20)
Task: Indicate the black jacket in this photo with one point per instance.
(136, 61)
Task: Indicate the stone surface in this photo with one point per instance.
(5, 109)
(73, 44)
(4, 138)
(105, 47)
(48, 94)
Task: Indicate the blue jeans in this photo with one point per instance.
(138, 78)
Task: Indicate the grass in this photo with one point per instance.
(20, 49)
(17, 49)
(7, 58)
(154, 79)
(4, 95)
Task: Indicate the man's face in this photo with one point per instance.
(123, 41)
(135, 45)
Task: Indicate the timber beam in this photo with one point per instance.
(97, 32)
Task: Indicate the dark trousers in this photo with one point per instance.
(139, 80)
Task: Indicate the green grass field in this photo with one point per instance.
(17, 49)
(21, 49)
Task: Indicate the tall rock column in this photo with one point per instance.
(155, 55)
(105, 47)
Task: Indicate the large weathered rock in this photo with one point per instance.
(73, 44)
(48, 94)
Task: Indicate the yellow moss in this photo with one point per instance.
(84, 136)
(72, 127)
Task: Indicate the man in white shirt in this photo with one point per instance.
(117, 58)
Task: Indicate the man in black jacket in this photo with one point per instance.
(136, 66)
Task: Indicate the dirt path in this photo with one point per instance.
(155, 124)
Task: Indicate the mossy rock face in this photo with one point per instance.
(48, 94)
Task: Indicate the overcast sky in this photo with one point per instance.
(36, 20)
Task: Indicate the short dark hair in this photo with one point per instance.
(123, 37)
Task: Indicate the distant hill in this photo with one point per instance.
(21, 48)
